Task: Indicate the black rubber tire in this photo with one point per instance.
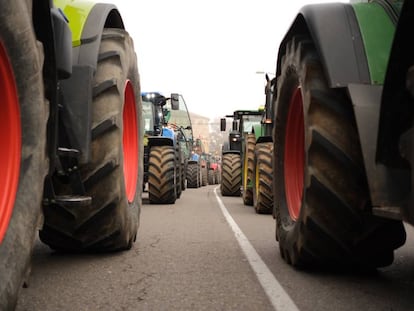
(263, 178)
(178, 179)
(248, 169)
(110, 222)
(184, 174)
(217, 176)
(192, 175)
(26, 60)
(334, 226)
(162, 175)
(231, 175)
(204, 177)
(211, 180)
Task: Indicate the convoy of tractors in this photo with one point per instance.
(329, 155)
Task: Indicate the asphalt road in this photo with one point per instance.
(188, 257)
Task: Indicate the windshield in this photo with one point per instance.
(147, 114)
(250, 121)
(180, 118)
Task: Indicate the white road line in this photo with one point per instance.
(277, 295)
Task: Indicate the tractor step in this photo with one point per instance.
(392, 212)
(73, 200)
(68, 153)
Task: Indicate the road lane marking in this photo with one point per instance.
(277, 295)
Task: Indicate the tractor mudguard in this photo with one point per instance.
(160, 141)
(339, 44)
(87, 21)
(264, 139)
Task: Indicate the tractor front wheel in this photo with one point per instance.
(113, 176)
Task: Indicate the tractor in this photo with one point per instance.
(197, 166)
(343, 134)
(167, 144)
(71, 142)
(238, 154)
(262, 179)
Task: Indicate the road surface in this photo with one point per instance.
(208, 253)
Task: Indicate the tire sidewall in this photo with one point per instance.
(25, 58)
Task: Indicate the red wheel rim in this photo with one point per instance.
(10, 141)
(130, 142)
(294, 155)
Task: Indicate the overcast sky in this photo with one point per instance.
(209, 51)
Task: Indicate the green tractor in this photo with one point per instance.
(238, 154)
(71, 140)
(262, 176)
(343, 134)
(167, 145)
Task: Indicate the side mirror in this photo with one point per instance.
(175, 101)
(222, 124)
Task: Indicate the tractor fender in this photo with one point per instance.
(87, 21)
(160, 141)
(101, 16)
(264, 139)
(335, 32)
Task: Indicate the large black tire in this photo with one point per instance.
(323, 208)
(211, 177)
(248, 168)
(162, 175)
(179, 173)
(204, 177)
(193, 175)
(23, 144)
(110, 222)
(231, 175)
(263, 179)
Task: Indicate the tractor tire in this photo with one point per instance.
(184, 175)
(231, 175)
(211, 180)
(162, 173)
(192, 175)
(248, 168)
(113, 176)
(178, 175)
(323, 208)
(24, 113)
(204, 177)
(262, 179)
(217, 177)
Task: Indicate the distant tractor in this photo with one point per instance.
(344, 134)
(197, 166)
(166, 147)
(238, 154)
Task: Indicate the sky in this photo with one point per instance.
(208, 51)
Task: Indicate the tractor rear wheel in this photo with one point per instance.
(262, 179)
(248, 168)
(162, 173)
(23, 119)
(231, 175)
(323, 208)
(113, 176)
